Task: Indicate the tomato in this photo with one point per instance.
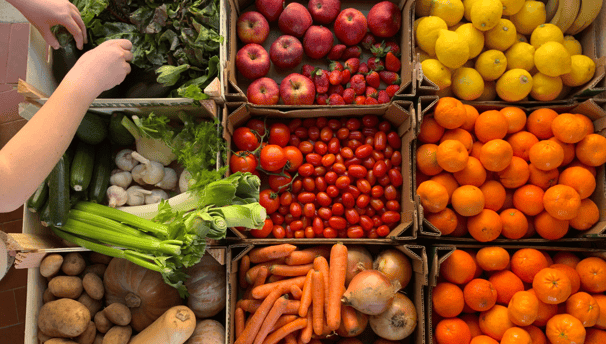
(318, 225)
(328, 160)
(363, 185)
(295, 209)
(314, 158)
(372, 234)
(377, 221)
(294, 140)
(396, 158)
(390, 216)
(296, 225)
(348, 200)
(277, 218)
(342, 182)
(242, 161)
(337, 222)
(279, 183)
(301, 133)
(368, 162)
(313, 133)
(288, 218)
(286, 198)
(357, 171)
(388, 151)
(326, 134)
(395, 177)
(289, 233)
(366, 222)
(278, 232)
(272, 158)
(388, 164)
(370, 132)
(347, 153)
(377, 155)
(383, 231)
(379, 169)
(329, 233)
(369, 140)
(306, 170)
(283, 210)
(385, 126)
(363, 151)
(264, 231)
(323, 199)
(371, 178)
(269, 200)
(390, 192)
(309, 232)
(320, 184)
(353, 124)
(294, 158)
(306, 147)
(376, 204)
(256, 125)
(370, 121)
(294, 124)
(334, 146)
(334, 124)
(354, 144)
(306, 197)
(392, 205)
(319, 171)
(362, 201)
(355, 232)
(343, 133)
(320, 147)
(352, 216)
(297, 185)
(331, 177)
(380, 141)
(309, 184)
(324, 213)
(339, 168)
(384, 180)
(394, 140)
(245, 139)
(309, 210)
(309, 122)
(338, 209)
(356, 135)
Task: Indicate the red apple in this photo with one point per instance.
(271, 9)
(350, 26)
(286, 52)
(384, 19)
(297, 89)
(252, 61)
(324, 11)
(264, 91)
(317, 41)
(295, 20)
(252, 27)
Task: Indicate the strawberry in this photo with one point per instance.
(371, 92)
(363, 68)
(307, 70)
(338, 89)
(370, 101)
(350, 52)
(381, 49)
(390, 78)
(345, 76)
(335, 77)
(320, 79)
(335, 65)
(373, 79)
(392, 63)
(383, 97)
(336, 52)
(375, 63)
(394, 47)
(368, 41)
(392, 89)
(353, 64)
(360, 100)
(335, 99)
(349, 95)
(358, 84)
(322, 99)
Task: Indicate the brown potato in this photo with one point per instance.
(66, 286)
(98, 339)
(97, 269)
(93, 286)
(100, 258)
(51, 264)
(60, 341)
(73, 264)
(93, 305)
(118, 314)
(48, 296)
(42, 337)
(118, 335)
(102, 323)
(64, 318)
(88, 336)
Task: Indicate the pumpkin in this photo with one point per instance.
(208, 332)
(140, 289)
(206, 287)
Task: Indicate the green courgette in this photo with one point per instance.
(118, 134)
(58, 193)
(101, 173)
(44, 214)
(92, 129)
(81, 170)
(37, 200)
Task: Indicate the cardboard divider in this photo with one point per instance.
(400, 113)
(414, 290)
(589, 108)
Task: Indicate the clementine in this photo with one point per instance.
(579, 179)
(523, 308)
(529, 200)
(601, 300)
(546, 311)
(583, 307)
(507, 284)
(516, 335)
(568, 150)
(476, 149)
(521, 142)
(473, 321)
(546, 155)
(494, 195)
(495, 321)
(470, 118)
(538, 337)
(427, 159)
(539, 123)
(480, 295)
(447, 299)
(448, 181)
(434, 197)
(551, 286)
(562, 202)
(516, 118)
(515, 224)
(473, 173)
(496, 155)
(450, 113)
(568, 128)
(591, 150)
(483, 339)
(588, 123)
(527, 262)
(550, 228)
(468, 200)
(516, 174)
(572, 274)
(595, 336)
(458, 268)
(592, 271)
(565, 329)
(566, 258)
(460, 135)
(491, 125)
(542, 179)
(430, 131)
(492, 258)
(589, 215)
(452, 331)
(445, 221)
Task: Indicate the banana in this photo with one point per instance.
(587, 14)
(551, 8)
(566, 14)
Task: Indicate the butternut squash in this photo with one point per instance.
(175, 326)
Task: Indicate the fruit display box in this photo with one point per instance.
(236, 85)
(399, 113)
(590, 108)
(415, 289)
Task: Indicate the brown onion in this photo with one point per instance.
(358, 259)
(370, 292)
(398, 321)
(395, 265)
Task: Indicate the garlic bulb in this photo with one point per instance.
(156, 196)
(169, 181)
(153, 171)
(136, 195)
(120, 178)
(117, 196)
(125, 161)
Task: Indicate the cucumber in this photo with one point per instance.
(101, 173)
(58, 193)
(82, 166)
(44, 214)
(92, 129)
(38, 199)
(118, 134)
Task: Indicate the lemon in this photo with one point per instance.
(467, 83)
(572, 45)
(428, 32)
(422, 7)
(489, 93)
(467, 4)
(415, 24)
(552, 59)
(474, 38)
(451, 49)
(545, 88)
(449, 10)
(512, 6)
(520, 55)
(583, 69)
(514, 85)
(456, 26)
(485, 14)
(422, 55)
(546, 33)
(529, 17)
(438, 73)
(521, 38)
(491, 64)
(502, 36)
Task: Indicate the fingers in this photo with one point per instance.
(78, 19)
(50, 39)
(74, 29)
(128, 56)
(124, 44)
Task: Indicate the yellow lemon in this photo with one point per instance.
(456, 26)
(422, 55)
(474, 38)
(485, 14)
(514, 85)
(428, 32)
(546, 33)
(451, 49)
(489, 93)
(545, 88)
(491, 64)
(449, 10)
(512, 6)
(467, 83)
(572, 45)
(583, 69)
(502, 36)
(521, 38)
(415, 24)
(438, 73)
(467, 4)
(520, 55)
(422, 7)
(552, 59)
(529, 17)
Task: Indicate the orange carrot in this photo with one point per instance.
(244, 266)
(292, 307)
(249, 306)
(261, 277)
(255, 322)
(290, 339)
(321, 264)
(317, 282)
(239, 318)
(247, 292)
(283, 331)
(262, 291)
(264, 254)
(274, 314)
(306, 296)
(338, 270)
(251, 274)
(307, 255)
(308, 330)
(349, 319)
(296, 292)
(283, 320)
(275, 278)
(288, 270)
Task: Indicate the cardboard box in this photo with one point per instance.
(414, 290)
(589, 108)
(399, 113)
(236, 85)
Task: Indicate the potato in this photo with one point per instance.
(118, 335)
(118, 314)
(66, 286)
(64, 318)
(73, 264)
(93, 286)
(97, 269)
(51, 264)
(48, 296)
(88, 336)
(102, 323)
(42, 337)
(60, 341)
(100, 258)
(93, 305)
(98, 339)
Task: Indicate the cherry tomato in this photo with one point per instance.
(320, 147)
(380, 141)
(309, 232)
(301, 133)
(242, 161)
(328, 160)
(392, 205)
(320, 184)
(379, 169)
(334, 124)
(294, 124)
(370, 121)
(384, 180)
(388, 164)
(326, 134)
(355, 232)
(356, 135)
(309, 122)
(377, 155)
(269, 200)
(362, 201)
(370, 211)
(294, 140)
(370, 132)
(272, 158)
(314, 158)
(334, 146)
(338, 209)
(394, 140)
(390, 192)
(283, 210)
(294, 158)
(306, 170)
(347, 153)
(388, 152)
(383, 231)
(256, 125)
(289, 233)
(306, 147)
(363, 185)
(296, 225)
(332, 191)
(395, 177)
(348, 200)
(390, 216)
(297, 185)
(371, 178)
(342, 182)
(337, 222)
(277, 218)
(306, 197)
(279, 183)
(300, 234)
(309, 210)
(329, 233)
(245, 139)
(369, 140)
(377, 221)
(278, 232)
(314, 133)
(363, 151)
(323, 199)
(288, 218)
(331, 177)
(286, 198)
(318, 225)
(372, 234)
(295, 209)
(352, 216)
(396, 158)
(339, 168)
(324, 213)
(353, 190)
(354, 144)
(343, 133)
(357, 171)
(361, 211)
(309, 184)
(377, 191)
(376, 204)
(264, 231)
(366, 222)
(319, 171)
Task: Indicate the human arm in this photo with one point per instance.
(31, 154)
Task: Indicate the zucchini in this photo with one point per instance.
(44, 214)
(82, 166)
(38, 199)
(101, 173)
(92, 129)
(58, 193)
(118, 134)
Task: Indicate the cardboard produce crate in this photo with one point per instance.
(414, 290)
(589, 108)
(399, 113)
(236, 85)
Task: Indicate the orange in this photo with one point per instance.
(452, 331)
(562, 202)
(448, 181)
(476, 149)
(473, 173)
(507, 284)
(523, 308)
(483, 339)
(550, 228)
(492, 258)
(595, 336)
(579, 179)
(460, 135)
(516, 118)
(588, 123)
(516, 174)
(576, 162)
(521, 142)
(572, 274)
(546, 311)
(589, 215)
(486, 226)
(568, 150)
(430, 131)
(546, 155)
(515, 224)
(591, 150)
(568, 128)
(450, 113)
(592, 271)
(539, 123)
(543, 179)
(452, 155)
(480, 295)
(529, 199)
(495, 321)
(458, 268)
(461, 229)
(516, 335)
(473, 322)
(434, 197)
(566, 258)
(583, 307)
(490, 125)
(468, 200)
(479, 270)
(565, 329)
(548, 257)
(496, 155)
(527, 262)
(538, 337)
(445, 221)
(494, 195)
(427, 159)
(447, 299)
(551, 286)
(601, 300)
(470, 117)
